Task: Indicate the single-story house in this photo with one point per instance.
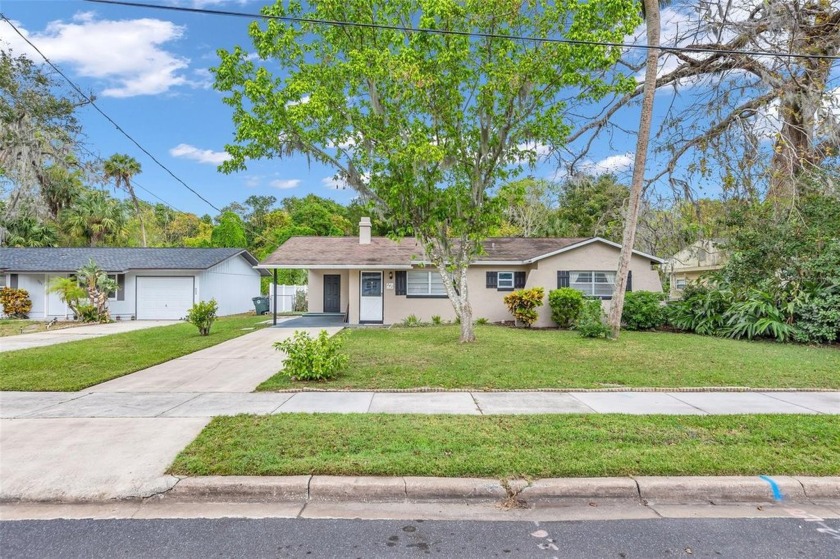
(153, 283)
(689, 264)
(382, 281)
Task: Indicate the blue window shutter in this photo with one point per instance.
(519, 280)
(399, 283)
(492, 280)
(120, 287)
(629, 280)
(13, 281)
(562, 279)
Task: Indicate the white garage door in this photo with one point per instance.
(164, 298)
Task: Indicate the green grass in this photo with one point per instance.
(76, 365)
(506, 358)
(15, 326)
(504, 446)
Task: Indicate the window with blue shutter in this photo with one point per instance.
(562, 279)
(519, 280)
(492, 280)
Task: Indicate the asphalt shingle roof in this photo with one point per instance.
(115, 259)
(382, 251)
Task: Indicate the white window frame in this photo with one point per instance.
(507, 282)
(680, 283)
(116, 278)
(592, 283)
(430, 284)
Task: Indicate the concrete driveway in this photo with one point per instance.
(113, 440)
(39, 339)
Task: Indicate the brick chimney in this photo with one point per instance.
(364, 231)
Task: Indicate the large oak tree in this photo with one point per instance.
(425, 125)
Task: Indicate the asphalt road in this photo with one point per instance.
(291, 538)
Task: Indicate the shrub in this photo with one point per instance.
(565, 305)
(701, 309)
(643, 310)
(756, 316)
(590, 322)
(310, 358)
(436, 320)
(411, 321)
(818, 320)
(86, 312)
(16, 302)
(481, 321)
(523, 304)
(202, 315)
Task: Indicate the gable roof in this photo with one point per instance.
(117, 259)
(346, 252)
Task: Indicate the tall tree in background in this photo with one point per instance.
(121, 169)
(754, 124)
(94, 217)
(38, 131)
(651, 14)
(426, 126)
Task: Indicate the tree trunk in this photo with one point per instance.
(629, 237)
(467, 330)
(139, 218)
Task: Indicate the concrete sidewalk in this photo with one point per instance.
(109, 400)
(64, 335)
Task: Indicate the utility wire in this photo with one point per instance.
(472, 34)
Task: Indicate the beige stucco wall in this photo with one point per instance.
(315, 292)
(486, 303)
(594, 256)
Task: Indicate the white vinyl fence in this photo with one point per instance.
(285, 296)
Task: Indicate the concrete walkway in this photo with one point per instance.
(114, 401)
(64, 335)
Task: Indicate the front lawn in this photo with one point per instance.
(73, 366)
(15, 326)
(514, 446)
(507, 358)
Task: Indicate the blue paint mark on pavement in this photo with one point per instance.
(777, 493)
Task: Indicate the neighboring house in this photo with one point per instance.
(379, 280)
(692, 262)
(153, 283)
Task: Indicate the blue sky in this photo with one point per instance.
(149, 71)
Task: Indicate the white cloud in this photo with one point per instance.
(127, 55)
(284, 184)
(208, 156)
(611, 164)
(253, 181)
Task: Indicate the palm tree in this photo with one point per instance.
(122, 168)
(94, 216)
(650, 10)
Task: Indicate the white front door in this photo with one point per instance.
(370, 297)
(55, 306)
(164, 298)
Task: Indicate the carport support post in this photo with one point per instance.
(274, 292)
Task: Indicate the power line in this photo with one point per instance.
(472, 34)
(108, 118)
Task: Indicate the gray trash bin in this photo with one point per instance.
(261, 305)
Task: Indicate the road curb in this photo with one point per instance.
(643, 489)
